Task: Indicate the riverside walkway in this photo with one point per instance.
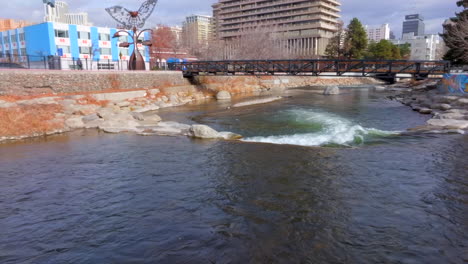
(347, 68)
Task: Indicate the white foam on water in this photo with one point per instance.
(336, 130)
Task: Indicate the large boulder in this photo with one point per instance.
(166, 129)
(223, 95)
(445, 99)
(448, 123)
(443, 107)
(147, 109)
(205, 132)
(455, 116)
(331, 90)
(75, 122)
(425, 111)
(118, 126)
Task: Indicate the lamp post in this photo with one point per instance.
(136, 62)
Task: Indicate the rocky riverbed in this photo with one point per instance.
(449, 112)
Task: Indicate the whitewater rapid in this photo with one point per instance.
(333, 130)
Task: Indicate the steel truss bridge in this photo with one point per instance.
(385, 69)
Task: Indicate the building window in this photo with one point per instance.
(6, 40)
(124, 52)
(65, 49)
(105, 51)
(61, 33)
(85, 50)
(23, 51)
(123, 39)
(104, 37)
(84, 35)
(21, 37)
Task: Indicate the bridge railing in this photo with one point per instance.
(316, 67)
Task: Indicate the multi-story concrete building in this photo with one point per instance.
(91, 44)
(8, 24)
(196, 30)
(422, 47)
(378, 33)
(303, 26)
(414, 24)
(60, 14)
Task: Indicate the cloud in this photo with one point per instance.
(370, 12)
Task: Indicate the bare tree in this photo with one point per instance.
(257, 43)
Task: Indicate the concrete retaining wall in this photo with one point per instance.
(454, 83)
(31, 82)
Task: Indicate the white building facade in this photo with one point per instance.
(378, 33)
(60, 14)
(422, 47)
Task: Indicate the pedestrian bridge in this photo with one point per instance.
(390, 69)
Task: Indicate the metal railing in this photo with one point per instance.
(14, 61)
(358, 68)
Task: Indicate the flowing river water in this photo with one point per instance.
(317, 179)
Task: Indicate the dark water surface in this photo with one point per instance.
(365, 196)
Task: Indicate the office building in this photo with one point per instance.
(414, 24)
(70, 42)
(422, 47)
(60, 14)
(8, 24)
(303, 27)
(196, 30)
(378, 33)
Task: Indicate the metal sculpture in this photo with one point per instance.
(132, 20)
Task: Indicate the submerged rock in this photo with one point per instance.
(230, 136)
(258, 101)
(331, 90)
(205, 132)
(223, 95)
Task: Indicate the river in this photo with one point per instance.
(317, 179)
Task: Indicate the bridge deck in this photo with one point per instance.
(365, 68)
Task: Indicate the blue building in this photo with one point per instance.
(94, 46)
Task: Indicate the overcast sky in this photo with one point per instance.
(173, 12)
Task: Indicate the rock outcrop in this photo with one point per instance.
(331, 90)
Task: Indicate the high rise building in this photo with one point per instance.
(303, 27)
(414, 24)
(378, 33)
(60, 14)
(196, 30)
(8, 24)
(422, 47)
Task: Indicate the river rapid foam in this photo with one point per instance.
(326, 129)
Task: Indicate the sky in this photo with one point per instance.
(173, 12)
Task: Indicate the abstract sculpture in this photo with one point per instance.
(132, 20)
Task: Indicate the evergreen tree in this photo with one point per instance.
(356, 40)
(456, 36)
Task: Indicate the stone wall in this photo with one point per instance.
(248, 84)
(30, 82)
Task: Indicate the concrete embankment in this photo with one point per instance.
(36, 103)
